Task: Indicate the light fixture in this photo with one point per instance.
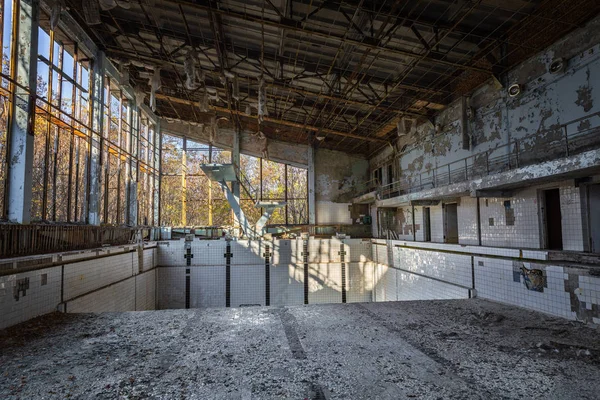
(557, 66)
(514, 90)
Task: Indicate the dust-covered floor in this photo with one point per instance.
(464, 349)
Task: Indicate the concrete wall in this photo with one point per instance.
(112, 279)
(337, 177)
(546, 102)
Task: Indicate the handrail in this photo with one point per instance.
(245, 183)
(368, 186)
(562, 143)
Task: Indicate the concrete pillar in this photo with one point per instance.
(464, 123)
(95, 141)
(157, 166)
(235, 186)
(210, 204)
(184, 183)
(312, 212)
(20, 157)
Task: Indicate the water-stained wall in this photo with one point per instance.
(338, 176)
(549, 104)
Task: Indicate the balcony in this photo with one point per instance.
(563, 141)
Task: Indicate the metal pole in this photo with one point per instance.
(210, 205)
(287, 222)
(487, 162)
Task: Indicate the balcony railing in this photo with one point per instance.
(560, 141)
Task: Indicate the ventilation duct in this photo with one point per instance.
(189, 67)
(124, 70)
(401, 127)
(105, 5)
(154, 87)
(235, 89)
(126, 4)
(57, 8)
(213, 129)
(262, 100)
(204, 102)
(140, 96)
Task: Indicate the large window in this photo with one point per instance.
(6, 32)
(62, 131)
(189, 198)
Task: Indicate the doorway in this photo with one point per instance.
(594, 215)
(451, 223)
(427, 224)
(552, 219)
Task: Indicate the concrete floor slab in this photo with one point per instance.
(459, 349)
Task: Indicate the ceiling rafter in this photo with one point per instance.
(295, 25)
(271, 119)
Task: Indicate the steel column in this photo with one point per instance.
(20, 154)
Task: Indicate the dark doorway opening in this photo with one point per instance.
(594, 215)
(450, 223)
(427, 224)
(553, 219)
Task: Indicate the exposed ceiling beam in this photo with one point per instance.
(120, 54)
(255, 55)
(272, 120)
(298, 26)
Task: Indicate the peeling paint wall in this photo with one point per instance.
(547, 102)
(338, 175)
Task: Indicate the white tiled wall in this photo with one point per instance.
(38, 299)
(207, 287)
(359, 282)
(145, 291)
(437, 224)
(324, 283)
(171, 287)
(287, 284)
(467, 221)
(417, 287)
(248, 285)
(495, 280)
(358, 250)
(84, 277)
(102, 284)
(570, 209)
(525, 232)
(117, 297)
(450, 268)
